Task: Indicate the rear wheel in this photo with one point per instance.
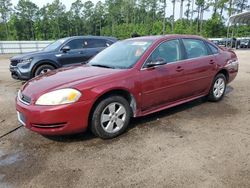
(111, 117)
(218, 88)
(43, 69)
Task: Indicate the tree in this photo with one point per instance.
(43, 24)
(26, 12)
(119, 18)
(181, 8)
(241, 5)
(187, 13)
(5, 10)
(56, 16)
(192, 11)
(75, 14)
(164, 16)
(230, 9)
(173, 1)
(99, 15)
(215, 6)
(88, 8)
(201, 7)
(222, 5)
(214, 27)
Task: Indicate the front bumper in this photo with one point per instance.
(17, 74)
(55, 120)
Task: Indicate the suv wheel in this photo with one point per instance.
(218, 88)
(110, 117)
(43, 69)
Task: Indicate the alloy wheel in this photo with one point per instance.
(43, 71)
(219, 87)
(113, 117)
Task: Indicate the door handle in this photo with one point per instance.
(179, 69)
(211, 62)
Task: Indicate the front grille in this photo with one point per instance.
(49, 126)
(14, 62)
(23, 98)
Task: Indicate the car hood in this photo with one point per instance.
(29, 55)
(64, 78)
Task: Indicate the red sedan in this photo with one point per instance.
(131, 78)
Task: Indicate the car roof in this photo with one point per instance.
(163, 37)
(91, 37)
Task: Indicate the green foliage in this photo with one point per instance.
(118, 18)
(214, 27)
(242, 31)
(5, 10)
(26, 16)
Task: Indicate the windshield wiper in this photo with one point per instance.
(104, 66)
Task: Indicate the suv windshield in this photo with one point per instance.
(53, 46)
(244, 41)
(121, 55)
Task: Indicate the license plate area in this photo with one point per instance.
(21, 118)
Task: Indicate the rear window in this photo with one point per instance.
(195, 48)
(213, 49)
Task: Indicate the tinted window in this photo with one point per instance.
(213, 49)
(75, 44)
(96, 43)
(195, 48)
(169, 51)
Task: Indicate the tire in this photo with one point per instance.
(218, 88)
(106, 122)
(43, 69)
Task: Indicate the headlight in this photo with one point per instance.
(61, 96)
(27, 60)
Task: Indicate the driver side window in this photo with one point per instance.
(169, 51)
(75, 44)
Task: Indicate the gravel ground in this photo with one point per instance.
(198, 144)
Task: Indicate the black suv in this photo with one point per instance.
(63, 52)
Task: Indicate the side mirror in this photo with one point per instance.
(156, 63)
(65, 49)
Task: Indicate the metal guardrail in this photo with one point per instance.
(19, 47)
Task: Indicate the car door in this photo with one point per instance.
(163, 84)
(200, 67)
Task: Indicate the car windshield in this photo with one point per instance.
(244, 41)
(53, 46)
(121, 55)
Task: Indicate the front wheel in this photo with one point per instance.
(43, 69)
(110, 117)
(218, 88)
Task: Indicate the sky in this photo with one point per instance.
(68, 3)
